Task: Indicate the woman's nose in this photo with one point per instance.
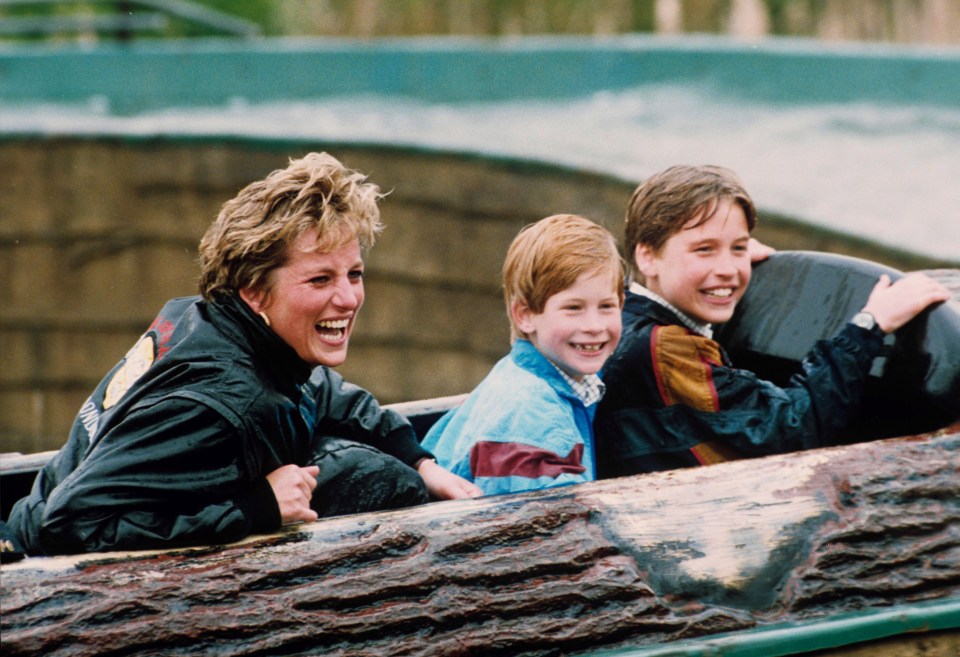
(347, 295)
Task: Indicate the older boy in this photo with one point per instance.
(529, 424)
(673, 399)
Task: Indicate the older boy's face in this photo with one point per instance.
(579, 327)
(702, 271)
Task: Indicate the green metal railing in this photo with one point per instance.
(846, 631)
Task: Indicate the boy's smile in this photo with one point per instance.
(703, 271)
(579, 327)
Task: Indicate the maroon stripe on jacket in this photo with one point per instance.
(493, 459)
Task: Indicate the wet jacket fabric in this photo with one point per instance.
(674, 399)
(522, 428)
(174, 445)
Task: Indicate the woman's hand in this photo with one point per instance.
(443, 484)
(895, 304)
(293, 487)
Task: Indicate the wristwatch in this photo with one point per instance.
(867, 321)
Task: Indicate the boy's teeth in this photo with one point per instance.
(721, 292)
(589, 347)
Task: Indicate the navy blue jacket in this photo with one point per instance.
(674, 399)
(174, 445)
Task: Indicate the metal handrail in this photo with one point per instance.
(125, 20)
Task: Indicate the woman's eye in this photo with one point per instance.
(319, 280)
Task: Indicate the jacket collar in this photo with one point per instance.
(636, 306)
(697, 327)
(526, 356)
(237, 320)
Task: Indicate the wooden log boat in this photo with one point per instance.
(852, 549)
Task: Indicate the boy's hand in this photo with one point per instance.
(758, 250)
(443, 484)
(293, 487)
(893, 305)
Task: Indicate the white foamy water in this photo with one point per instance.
(887, 173)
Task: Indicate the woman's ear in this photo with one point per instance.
(520, 313)
(253, 297)
(646, 260)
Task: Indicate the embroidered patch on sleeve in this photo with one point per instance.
(682, 366)
(137, 361)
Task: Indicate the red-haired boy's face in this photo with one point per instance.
(702, 271)
(579, 326)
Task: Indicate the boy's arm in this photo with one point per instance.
(505, 466)
(505, 439)
(736, 408)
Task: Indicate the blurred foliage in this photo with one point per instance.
(918, 21)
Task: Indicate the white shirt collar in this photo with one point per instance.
(589, 389)
(703, 329)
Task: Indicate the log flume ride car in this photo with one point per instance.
(851, 545)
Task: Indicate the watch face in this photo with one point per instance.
(864, 320)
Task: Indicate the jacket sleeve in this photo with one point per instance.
(348, 411)
(168, 474)
(509, 444)
(706, 400)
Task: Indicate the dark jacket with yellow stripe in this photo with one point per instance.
(674, 400)
(174, 445)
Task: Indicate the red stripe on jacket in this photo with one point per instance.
(494, 459)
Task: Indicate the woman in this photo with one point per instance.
(220, 422)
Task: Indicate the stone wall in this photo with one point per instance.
(96, 233)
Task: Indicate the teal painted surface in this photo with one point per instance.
(807, 638)
(146, 76)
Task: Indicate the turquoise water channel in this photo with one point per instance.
(861, 140)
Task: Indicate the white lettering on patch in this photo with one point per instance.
(90, 417)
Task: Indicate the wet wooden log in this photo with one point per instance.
(637, 561)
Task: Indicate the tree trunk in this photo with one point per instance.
(632, 561)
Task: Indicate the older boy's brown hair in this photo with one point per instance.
(251, 236)
(666, 202)
(549, 256)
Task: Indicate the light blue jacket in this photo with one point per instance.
(522, 428)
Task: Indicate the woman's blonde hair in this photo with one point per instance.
(253, 231)
(549, 256)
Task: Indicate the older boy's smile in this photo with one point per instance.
(702, 270)
(722, 292)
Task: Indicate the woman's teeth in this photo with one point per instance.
(333, 327)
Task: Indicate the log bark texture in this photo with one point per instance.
(633, 561)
